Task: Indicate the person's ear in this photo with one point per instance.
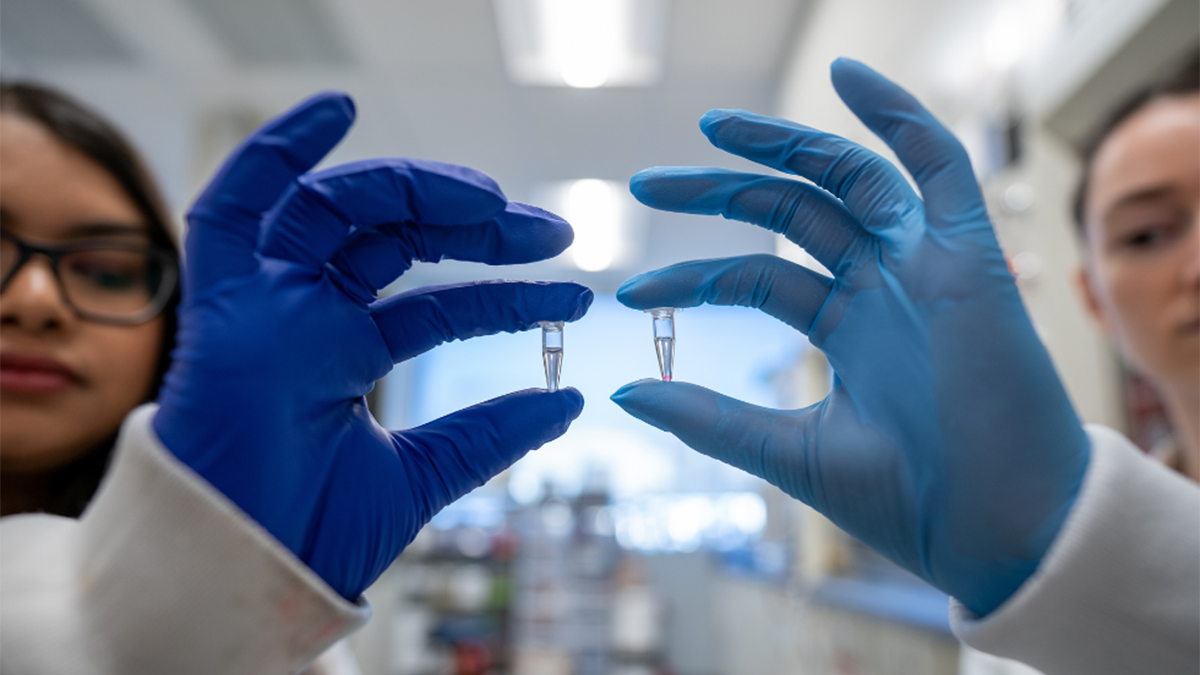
(1087, 292)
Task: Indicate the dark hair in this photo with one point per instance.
(1182, 81)
(86, 131)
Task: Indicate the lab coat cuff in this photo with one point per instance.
(1119, 589)
(159, 534)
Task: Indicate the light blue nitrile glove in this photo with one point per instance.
(947, 443)
(281, 337)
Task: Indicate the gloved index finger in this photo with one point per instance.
(783, 289)
(311, 221)
(936, 160)
(802, 212)
(455, 454)
(416, 321)
(875, 191)
(767, 443)
(225, 220)
(374, 257)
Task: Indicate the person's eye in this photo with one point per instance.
(1146, 228)
(1149, 236)
(110, 271)
(1145, 238)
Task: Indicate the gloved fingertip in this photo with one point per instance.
(654, 289)
(555, 237)
(627, 291)
(844, 72)
(574, 394)
(711, 121)
(623, 291)
(335, 105)
(537, 234)
(338, 98)
(640, 182)
(642, 400)
(627, 394)
(561, 403)
(716, 116)
(843, 62)
(583, 303)
(572, 399)
(569, 299)
(535, 211)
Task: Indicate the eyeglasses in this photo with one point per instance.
(112, 282)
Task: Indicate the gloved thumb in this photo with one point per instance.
(767, 443)
(457, 453)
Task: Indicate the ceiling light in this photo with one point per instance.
(582, 43)
(583, 38)
(1018, 28)
(609, 224)
(593, 211)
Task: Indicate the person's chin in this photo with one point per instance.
(30, 451)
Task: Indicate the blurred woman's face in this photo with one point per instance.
(1142, 276)
(65, 383)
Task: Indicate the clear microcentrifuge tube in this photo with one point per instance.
(552, 352)
(664, 340)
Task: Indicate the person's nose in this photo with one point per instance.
(33, 302)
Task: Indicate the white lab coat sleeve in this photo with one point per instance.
(1119, 590)
(162, 574)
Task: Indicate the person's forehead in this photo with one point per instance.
(50, 190)
(1158, 146)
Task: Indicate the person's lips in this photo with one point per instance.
(34, 374)
(1191, 327)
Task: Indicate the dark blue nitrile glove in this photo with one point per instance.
(947, 443)
(281, 337)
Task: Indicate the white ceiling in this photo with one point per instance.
(187, 77)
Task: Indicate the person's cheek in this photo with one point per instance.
(1143, 297)
(146, 347)
(125, 368)
(1120, 293)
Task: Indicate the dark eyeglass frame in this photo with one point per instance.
(167, 261)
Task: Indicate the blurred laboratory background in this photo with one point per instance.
(616, 549)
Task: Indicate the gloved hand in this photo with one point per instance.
(947, 443)
(281, 337)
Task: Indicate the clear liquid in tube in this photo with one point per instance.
(552, 358)
(552, 352)
(664, 340)
(666, 357)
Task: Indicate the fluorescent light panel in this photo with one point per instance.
(593, 209)
(582, 43)
(608, 223)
